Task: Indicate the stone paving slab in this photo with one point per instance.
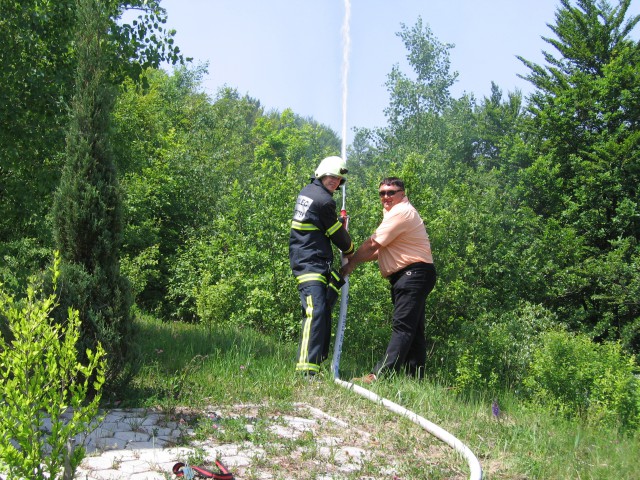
(141, 444)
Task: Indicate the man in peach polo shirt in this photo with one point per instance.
(401, 246)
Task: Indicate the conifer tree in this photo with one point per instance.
(87, 207)
(586, 170)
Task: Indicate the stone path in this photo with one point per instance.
(141, 444)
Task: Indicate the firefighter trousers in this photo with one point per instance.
(318, 297)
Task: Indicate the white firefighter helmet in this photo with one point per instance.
(334, 166)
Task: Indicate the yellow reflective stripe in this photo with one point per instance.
(349, 250)
(306, 332)
(312, 277)
(307, 366)
(303, 226)
(333, 228)
(334, 287)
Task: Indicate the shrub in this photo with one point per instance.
(142, 270)
(216, 302)
(577, 377)
(18, 260)
(495, 351)
(104, 305)
(196, 265)
(368, 321)
(44, 388)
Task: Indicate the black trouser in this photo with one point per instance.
(407, 348)
(318, 299)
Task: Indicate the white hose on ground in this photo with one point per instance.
(432, 428)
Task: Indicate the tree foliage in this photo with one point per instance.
(531, 207)
(531, 203)
(585, 170)
(37, 64)
(87, 207)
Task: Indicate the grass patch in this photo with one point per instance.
(186, 367)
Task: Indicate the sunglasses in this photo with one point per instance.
(387, 193)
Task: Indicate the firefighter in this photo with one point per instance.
(315, 226)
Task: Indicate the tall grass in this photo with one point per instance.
(186, 365)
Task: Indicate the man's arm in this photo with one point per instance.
(367, 252)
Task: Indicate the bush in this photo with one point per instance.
(251, 300)
(368, 321)
(18, 259)
(216, 302)
(579, 378)
(41, 383)
(104, 304)
(141, 270)
(196, 265)
(495, 352)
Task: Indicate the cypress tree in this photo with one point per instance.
(87, 207)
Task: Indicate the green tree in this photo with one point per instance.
(37, 73)
(586, 166)
(500, 126)
(416, 104)
(87, 207)
(239, 257)
(180, 152)
(461, 163)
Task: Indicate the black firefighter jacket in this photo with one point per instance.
(314, 226)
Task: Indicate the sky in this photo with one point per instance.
(289, 53)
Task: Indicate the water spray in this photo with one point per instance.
(344, 296)
(433, 429)
(346, 48)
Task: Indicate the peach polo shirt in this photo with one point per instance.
(403, 239)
